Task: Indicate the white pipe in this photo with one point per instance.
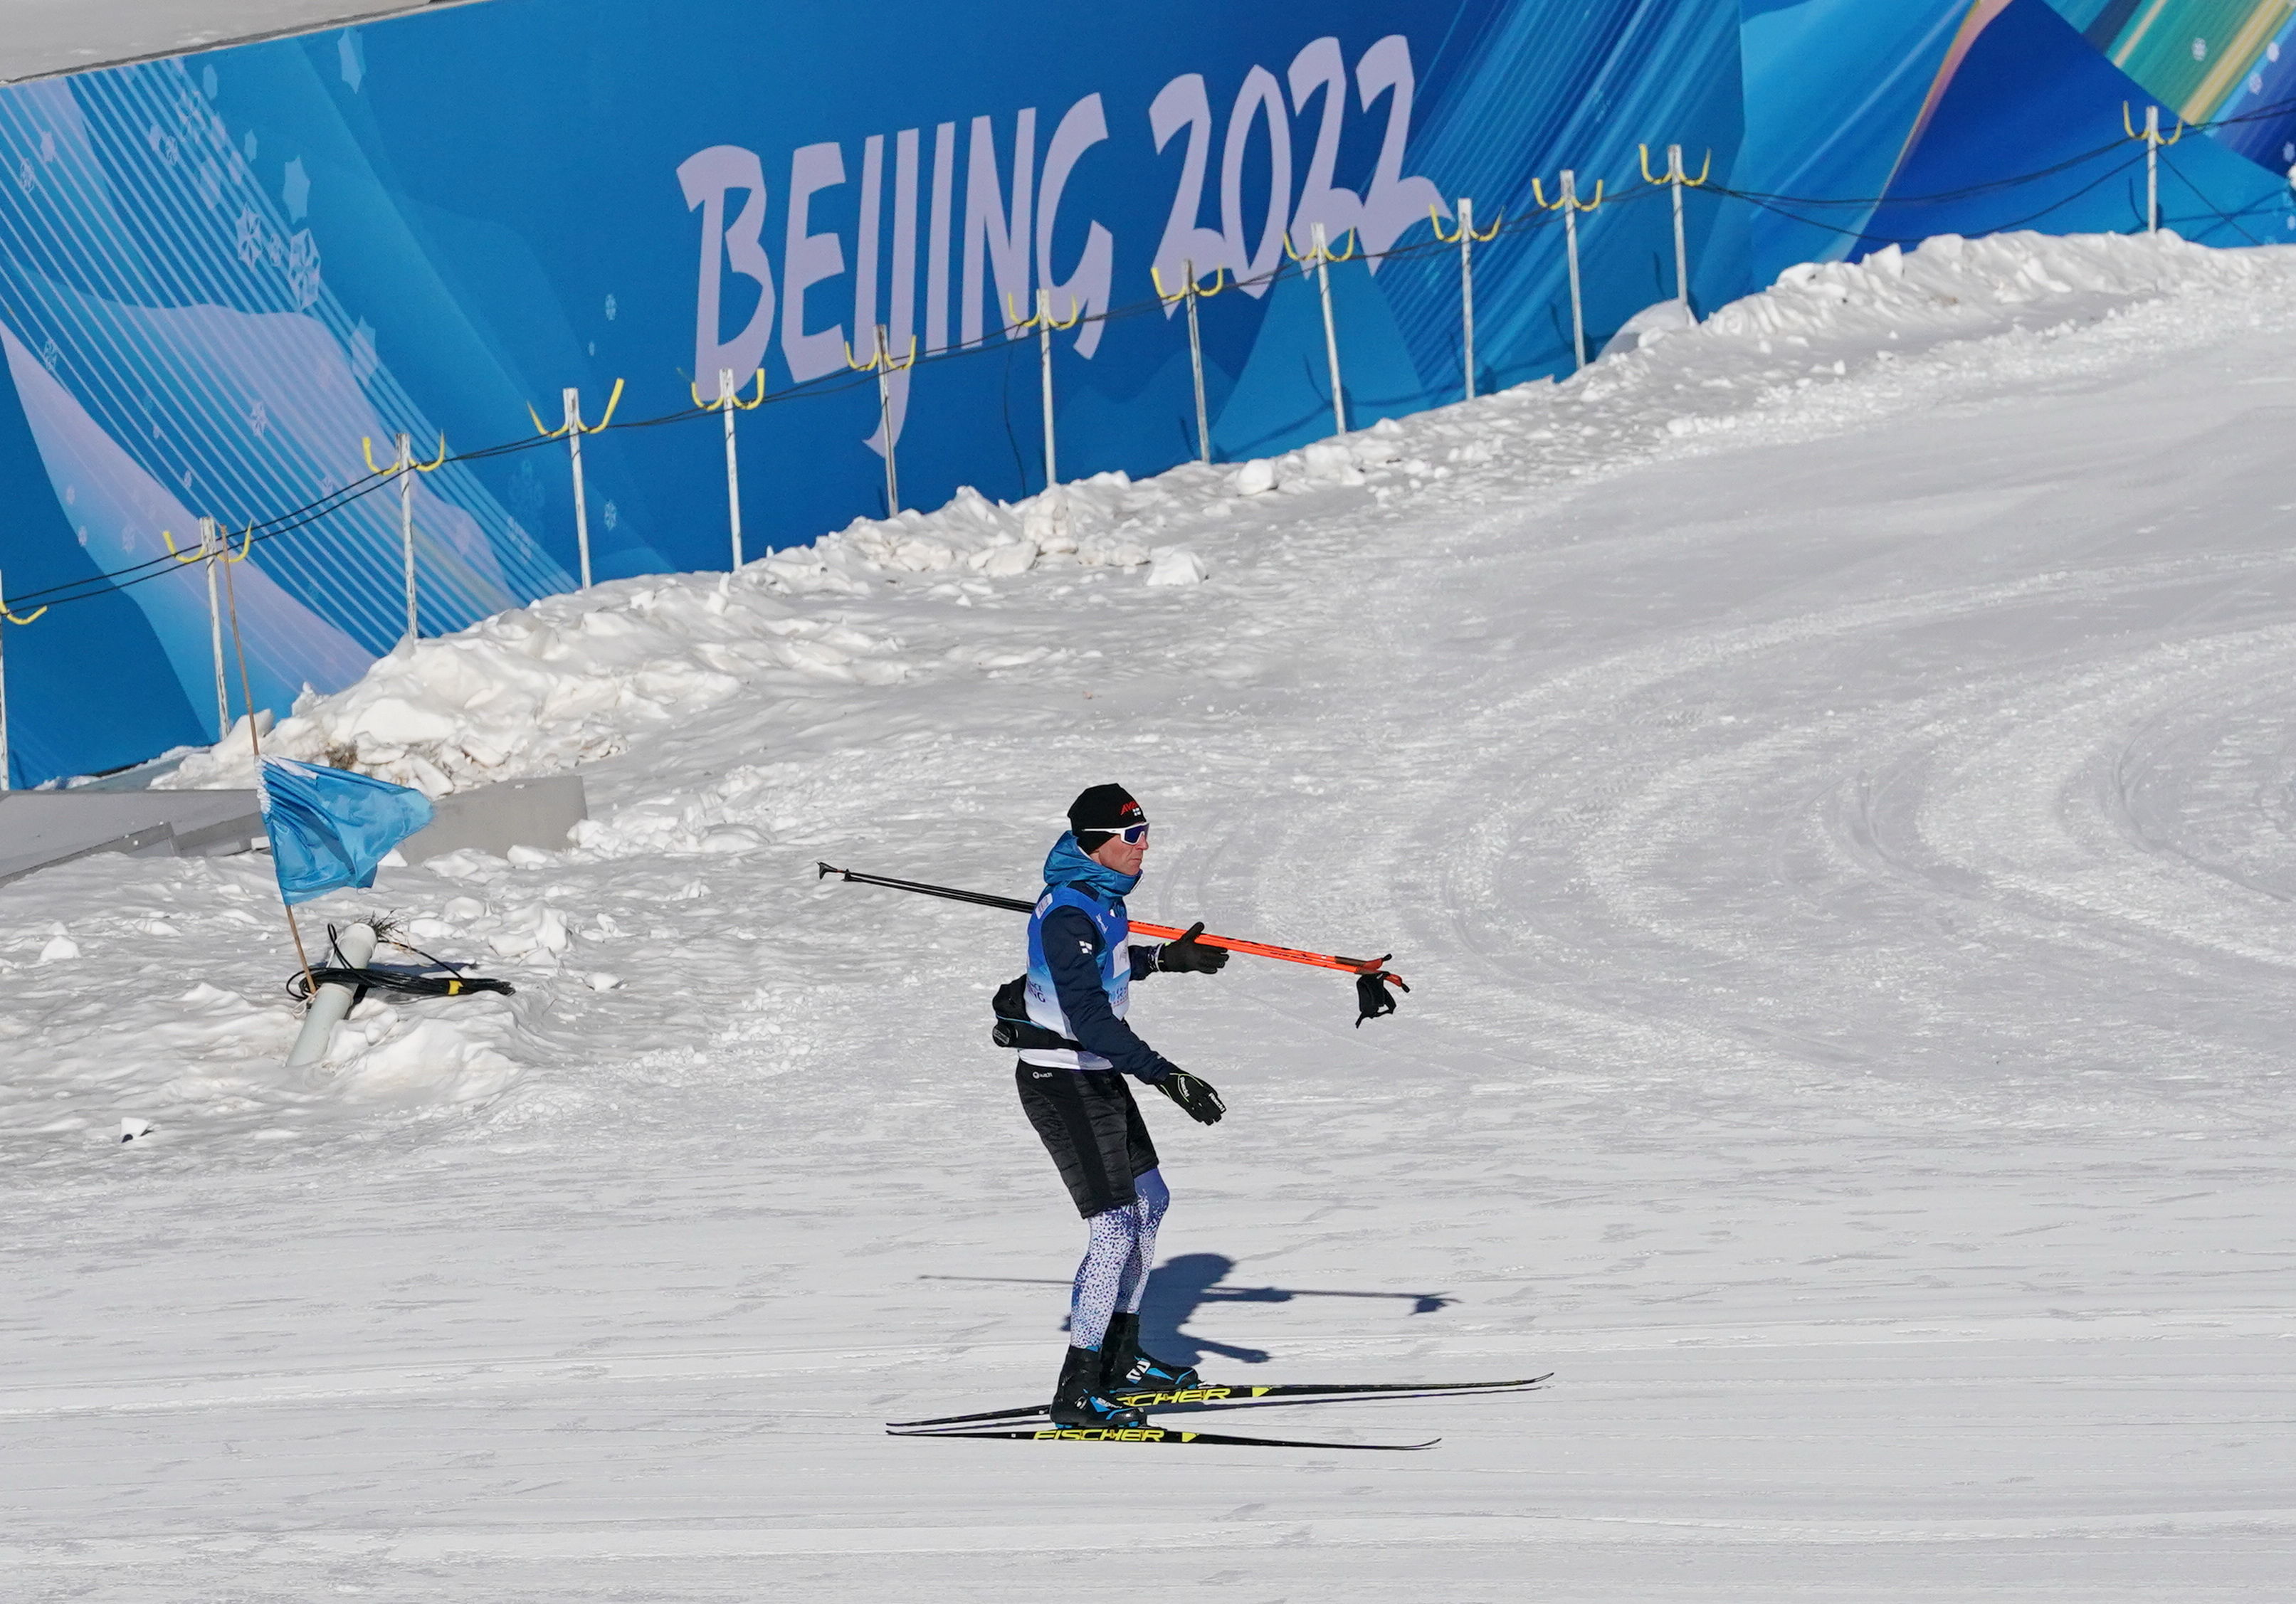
(1571, 243)
(884, 365)
(1331, 331)
(581, 508)
(406, 532)
(1467, 290)
(1196, 366)
(209, 544)
(733, 463)
(2151, 169)
(1045, 357)
(1674, 177)
(357, 945)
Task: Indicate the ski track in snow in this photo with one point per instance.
(1827, 778)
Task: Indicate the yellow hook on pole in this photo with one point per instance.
(612, 402)
(366, 450)
(1569, 198)
(2151, 131)
(731, 399)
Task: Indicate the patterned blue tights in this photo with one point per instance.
(1114, 1273)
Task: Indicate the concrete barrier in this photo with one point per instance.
(494, 818)
(40, 828)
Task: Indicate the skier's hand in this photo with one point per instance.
(1189, 956)
(1373, 997)
(1194, 1095)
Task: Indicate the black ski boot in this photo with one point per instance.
(1124, 1369)
(1079, 1401)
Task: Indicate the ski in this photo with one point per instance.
(1158, 1434)
(1228, 1397)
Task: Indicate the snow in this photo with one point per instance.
(42, 37)
(1824, 775)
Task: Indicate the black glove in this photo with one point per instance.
(1194, 1095)
(1373, 997)
(1189, 956)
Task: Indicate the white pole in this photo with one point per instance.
(2151, 169)
(4, 688)
(1045, 358)
(582, 510)
(733, 463)
(884, 364)
(356, 945)
(1331, 331)
(1674, 177)
(210, 547)
(1570, 245)
(1196, 366)
(406, 532)
(1467, 290)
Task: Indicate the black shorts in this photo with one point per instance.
(1092, 1128)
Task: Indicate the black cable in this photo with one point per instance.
(1935, 196)
(408, 983)
(1869, 232)
(403, 981)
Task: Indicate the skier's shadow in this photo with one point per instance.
(1179, 1288)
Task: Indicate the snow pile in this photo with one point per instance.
(1108, 520)
(573, 679)
(568, 680)
(384, 1057)
(202, 1055)
(1757, 361)
(1949, 280)
(1097, 522)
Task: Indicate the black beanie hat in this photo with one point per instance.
(1101, 812)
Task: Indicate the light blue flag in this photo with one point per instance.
(329, 828)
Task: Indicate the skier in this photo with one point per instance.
(1080, 972)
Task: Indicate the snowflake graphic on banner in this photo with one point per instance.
(249, 241)
(303, 269)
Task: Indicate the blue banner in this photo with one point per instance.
(221, 274)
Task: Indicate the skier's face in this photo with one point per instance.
(1120, 856)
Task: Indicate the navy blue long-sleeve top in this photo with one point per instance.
(1072, 950)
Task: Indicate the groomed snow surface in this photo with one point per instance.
(1827, 776)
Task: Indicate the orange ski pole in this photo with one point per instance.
(1260, 949)
(1371, 975)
